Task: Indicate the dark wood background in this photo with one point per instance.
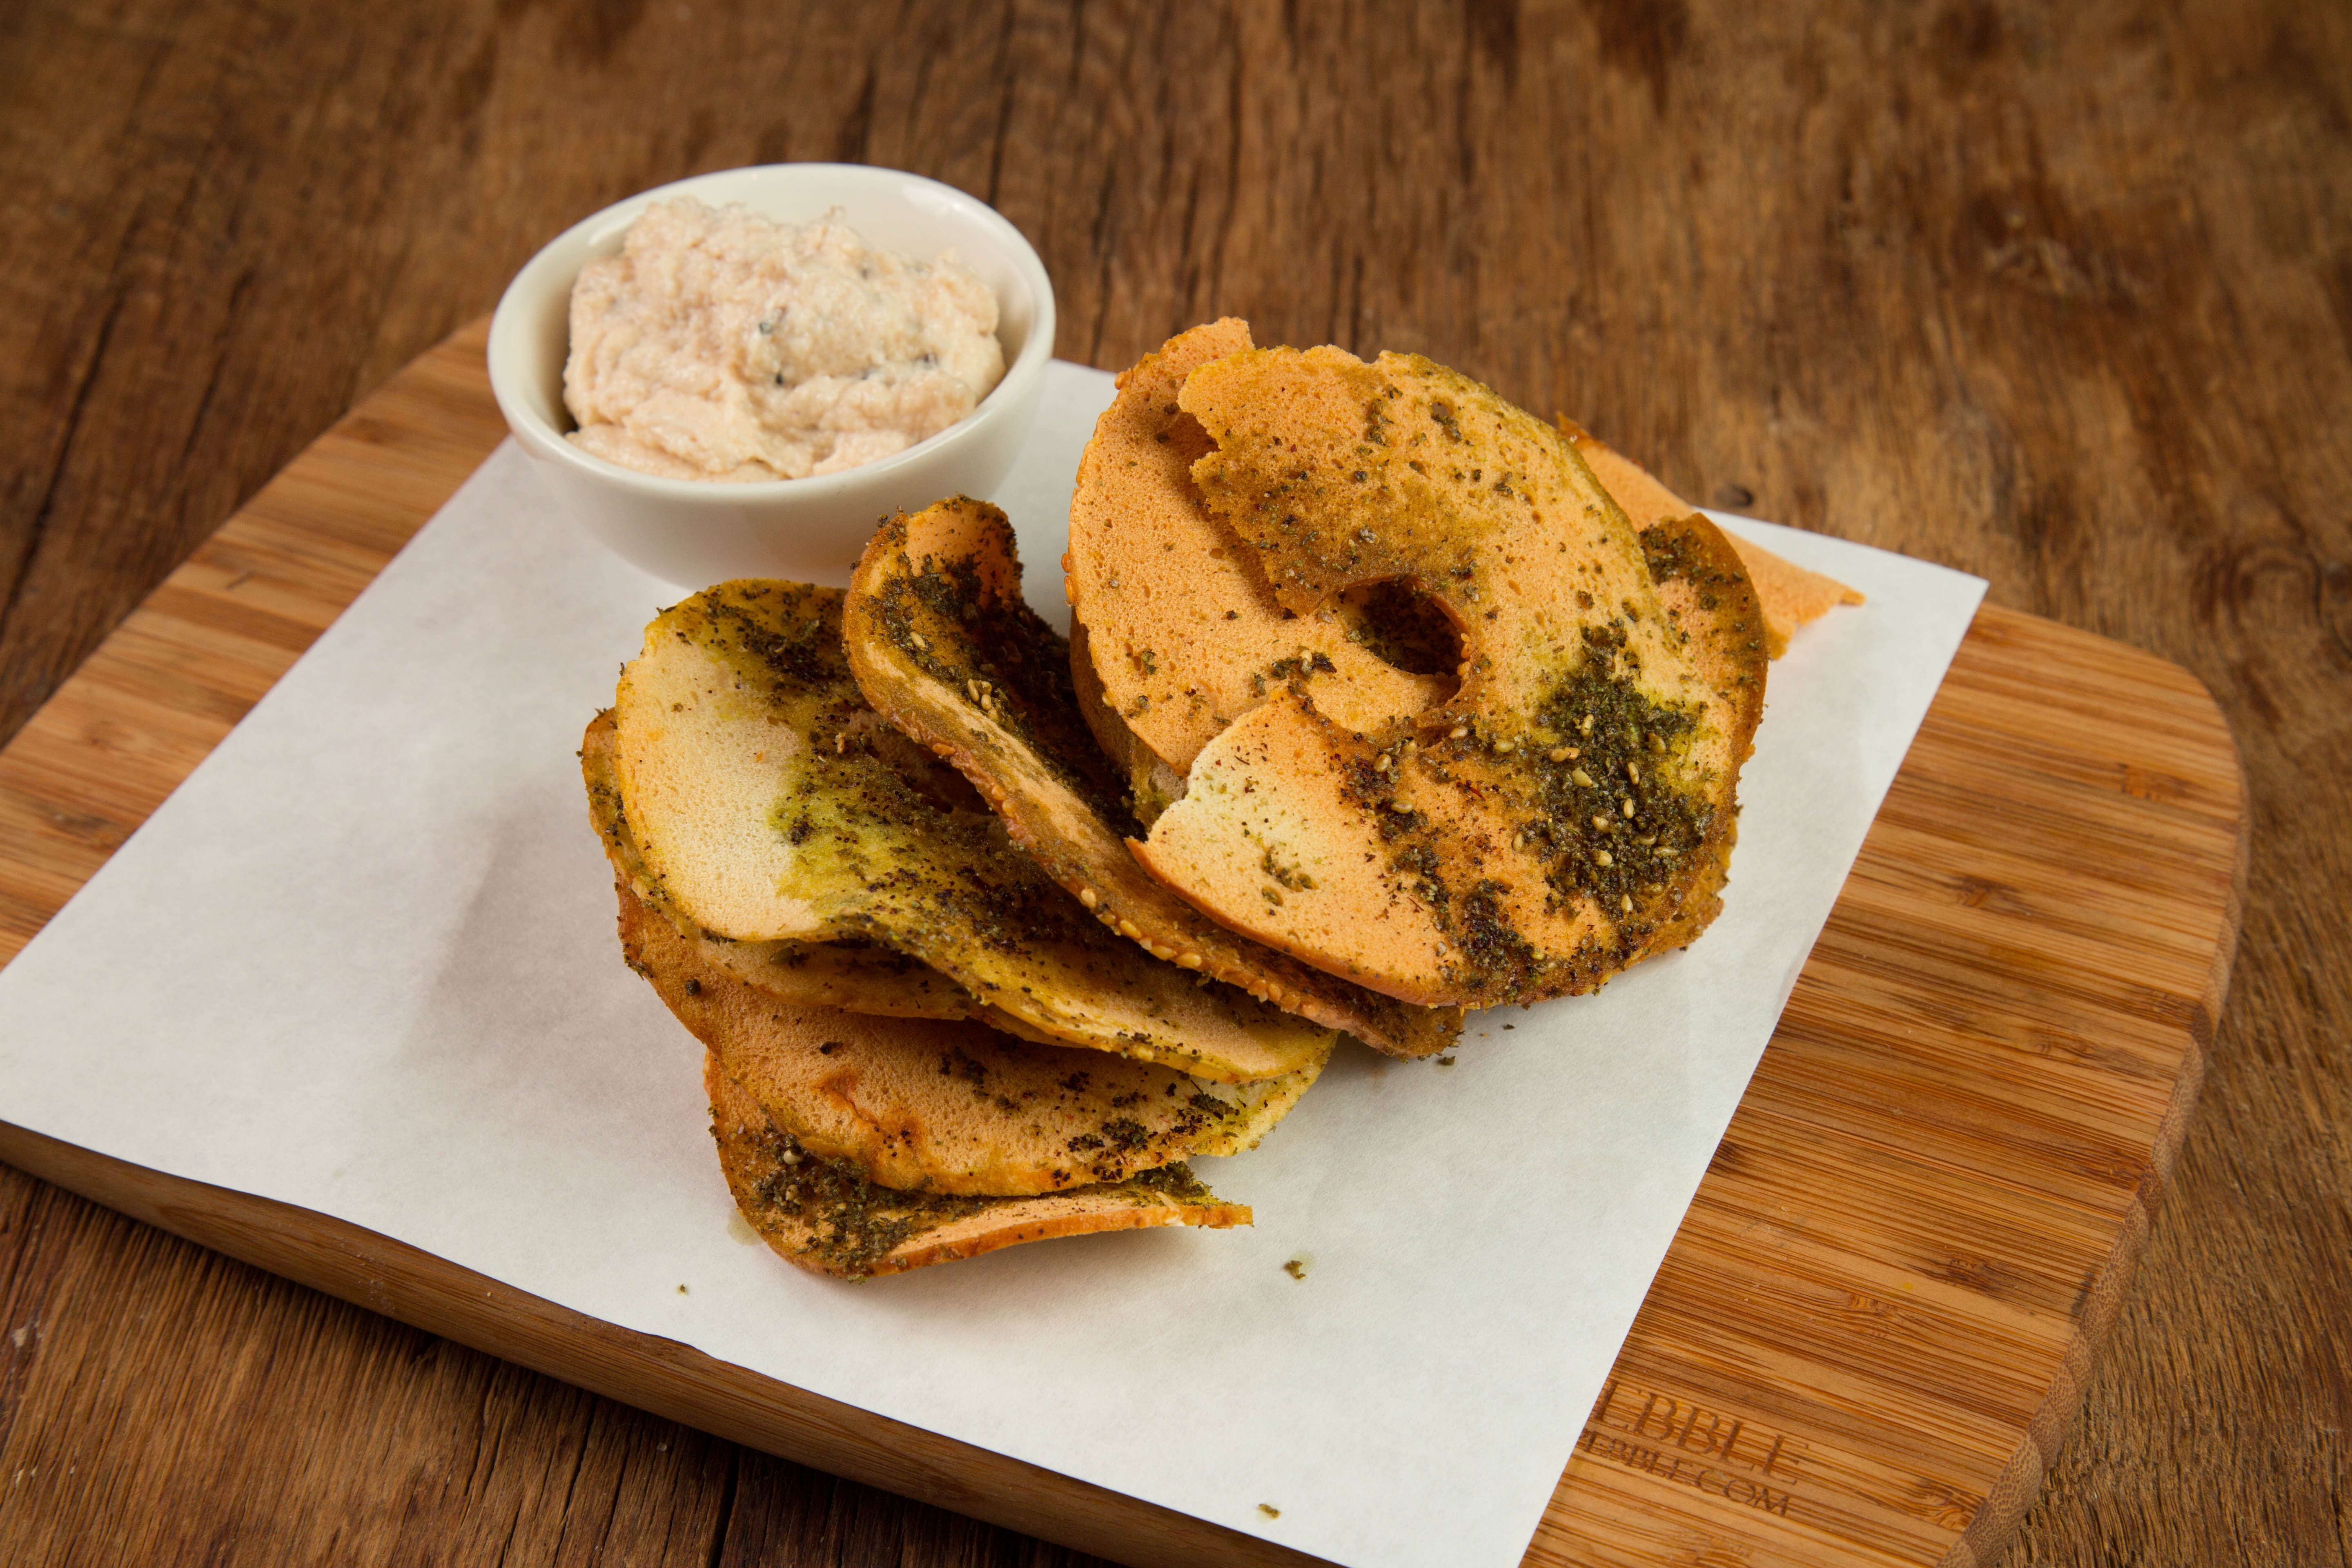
(2059, 295)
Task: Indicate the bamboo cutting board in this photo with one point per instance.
(1875, 1320)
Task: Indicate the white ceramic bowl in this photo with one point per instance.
(812, 529)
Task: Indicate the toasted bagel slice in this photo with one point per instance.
(855, 975)
(826, 1218)
(1177, 630)
(769, 803)
(1789, 594)
(1570, 809)
(928, 1105)
(852, 973)
(945, 647)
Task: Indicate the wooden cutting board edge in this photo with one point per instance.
(416, 439)
(2012, 1493)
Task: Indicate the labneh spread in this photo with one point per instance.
(722, 345)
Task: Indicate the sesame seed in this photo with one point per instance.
(1504, 747)
(1625, 902)
(1088, 896)
(1382, 763)
(1580, 776)
(1602, 858)
(1457, 732)
(917, 640)
(1584, 725)
(1626, 805)
(1402, 807)
(1559, 754)
(1601, 822)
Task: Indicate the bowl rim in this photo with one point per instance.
(544, 441)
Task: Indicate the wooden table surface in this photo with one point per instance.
(2060, 296)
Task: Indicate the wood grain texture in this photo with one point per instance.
(1873, 1328)
(2065, 298)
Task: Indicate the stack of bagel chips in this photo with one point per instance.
(919, 1048)
(1404, 691)
(986, 933)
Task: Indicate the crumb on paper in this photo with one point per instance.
(1298, 1267)
(681, 1289)
(1268, 1509)
(1446, 1060)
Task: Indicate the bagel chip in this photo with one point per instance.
(1570, 808)
(768, 803)
(855, 975)
(947, 1106)
(824, 1217)
(944, 646)
(1177, 632)
(1789, 594)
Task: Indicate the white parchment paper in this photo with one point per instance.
(364, 962)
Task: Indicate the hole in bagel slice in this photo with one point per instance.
(1406, 628)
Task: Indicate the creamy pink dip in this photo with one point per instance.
(721, 345)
